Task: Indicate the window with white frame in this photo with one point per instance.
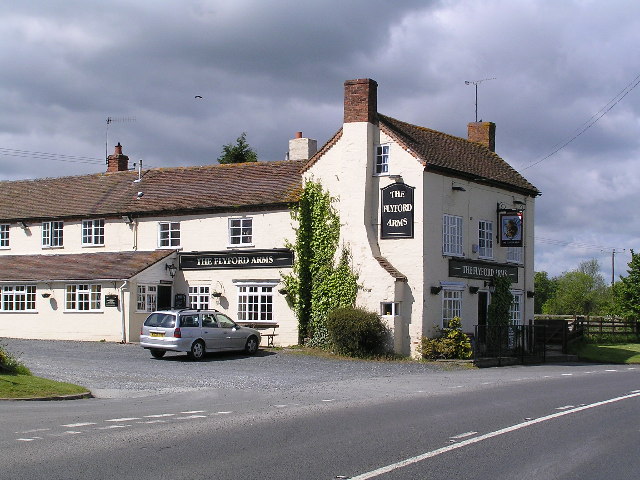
(382, 159)
(452, 235)
(255, 303)
(485, 239)
(18, 298)
(4, 235)
(199, 297)
(451, 306)
(515, 310)
(83, 297)
(514, 254)
(147, 300)
(168, 234)
(93, 232)
(52, 234)
(240, 231)
(390, 308)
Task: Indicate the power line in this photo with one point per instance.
(11, 152)
(565, 243)
(592, 121)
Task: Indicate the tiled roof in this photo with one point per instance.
(185, 189)
(77, 267)
(455, 156)
(391, 270)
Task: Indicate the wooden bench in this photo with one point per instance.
(264, 328)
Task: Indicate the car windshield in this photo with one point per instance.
(165, 320)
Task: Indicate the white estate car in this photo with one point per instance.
(195, 332)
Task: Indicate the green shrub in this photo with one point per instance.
(9, 364)
(357, 332)
(452, 343)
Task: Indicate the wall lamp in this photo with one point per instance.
(491, 285)
(46, 295)
(435, 290)
(172, 269)
(397, 178)
(458, 188)
(473, 290)
(127, 219)
(530, 294)
(22, 224)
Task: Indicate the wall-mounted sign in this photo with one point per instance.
(481, 270)
(396, 211)
(511, 225)
(180, 300)
(276, 258)
(111, 300)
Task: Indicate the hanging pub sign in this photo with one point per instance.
(396, 211)
(511, 226)
(274, 258)
(111, 300)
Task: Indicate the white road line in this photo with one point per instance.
(128, 419)
(222, 413)
(566, 407)
(463, 435)
(35, 430)
(193, 411)
(329, 400)
(76, 425)
(111, 427)
(486, 436)
(160, 415)
(280, 406)
(153, 421)
(567, 374)
(28, 439)
(190, 417)
(611, 370)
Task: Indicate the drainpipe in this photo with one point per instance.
(124, 330)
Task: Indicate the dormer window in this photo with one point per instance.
(382, 160)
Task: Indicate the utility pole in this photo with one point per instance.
(613, 264)
(476, 83)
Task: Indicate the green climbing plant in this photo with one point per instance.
(317, 284)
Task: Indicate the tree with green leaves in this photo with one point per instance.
(499, 311)
(241, 152)
(545, 288)
(629, 290)
(580, 292)
(317, 285)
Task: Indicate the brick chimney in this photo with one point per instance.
(117, 162)
(484, 133)
(301, 148)
(361, 101)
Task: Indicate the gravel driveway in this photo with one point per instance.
(111, 369)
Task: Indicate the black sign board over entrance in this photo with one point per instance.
(276, 258)
(396, 211)
(481, 270)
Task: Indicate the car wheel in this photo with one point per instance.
(157, 353)
(197, 350)
(252, 345)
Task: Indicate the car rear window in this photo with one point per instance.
(165, 320)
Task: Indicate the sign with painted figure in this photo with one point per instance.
(511, 226)
(396, 211)
(275, 258)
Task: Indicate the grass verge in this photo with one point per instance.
(625, 353)
(28, 386)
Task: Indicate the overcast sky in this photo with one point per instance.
(271, 68)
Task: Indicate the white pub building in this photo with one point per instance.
(429, 218)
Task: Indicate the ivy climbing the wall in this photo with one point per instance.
(317, 285)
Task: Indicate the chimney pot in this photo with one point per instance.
(298, 134)
(117, 162)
